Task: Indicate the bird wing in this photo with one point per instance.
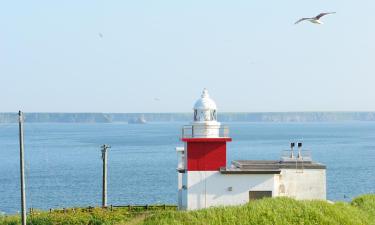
(323, 14)
(302, 19)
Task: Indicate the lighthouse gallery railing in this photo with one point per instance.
(188, 131)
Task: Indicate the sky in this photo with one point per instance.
(157, 56)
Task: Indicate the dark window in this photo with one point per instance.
(254, 195)
(214, 115)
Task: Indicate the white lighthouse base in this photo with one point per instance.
(203, 189)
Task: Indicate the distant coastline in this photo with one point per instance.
(183, 117)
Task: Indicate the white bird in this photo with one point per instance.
(315, 19)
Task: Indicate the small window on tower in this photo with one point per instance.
(207, 115)
(201, 116)
(195, 115)
(214, 115)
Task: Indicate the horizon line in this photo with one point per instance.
(343, 111)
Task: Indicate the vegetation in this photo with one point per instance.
(361, 211)
(89, 216)
(366, 203)
(277, 211)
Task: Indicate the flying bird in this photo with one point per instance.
(315, 19)
(100, 35)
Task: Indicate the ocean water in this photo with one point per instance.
(63, 161)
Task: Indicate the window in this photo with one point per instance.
(254, 195)
(213, 115)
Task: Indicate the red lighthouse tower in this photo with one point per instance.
(203, 155)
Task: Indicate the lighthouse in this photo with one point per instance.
(203, 155)
(204, 180)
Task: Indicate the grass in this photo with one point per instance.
(93, 217)
(276, 211)
(366, 203)
(87, 216)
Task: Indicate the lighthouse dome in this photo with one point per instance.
(204, 108)
(205, 102)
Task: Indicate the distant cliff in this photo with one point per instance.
(56, 118)
(184, 117)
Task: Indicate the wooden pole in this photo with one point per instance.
(22, 165)
(104, 192)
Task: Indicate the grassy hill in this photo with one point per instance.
(266, 211)
(278, 211)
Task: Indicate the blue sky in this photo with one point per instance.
(249, 54)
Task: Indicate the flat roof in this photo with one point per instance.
(268, 166)
(224, 170)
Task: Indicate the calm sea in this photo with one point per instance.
(63, 161)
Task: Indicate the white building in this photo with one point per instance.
(205, 181)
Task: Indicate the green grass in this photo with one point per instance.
(366, 203)
(94, 216)
(275, 211)
(83, 216)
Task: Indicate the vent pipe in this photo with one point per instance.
(299, 150)
(291, 150)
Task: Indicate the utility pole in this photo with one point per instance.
(104, 157)
(22, 165)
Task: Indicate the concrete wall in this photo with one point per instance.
(302, 184)
(211, 188)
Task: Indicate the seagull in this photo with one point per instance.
(316, 18)
(100, 35)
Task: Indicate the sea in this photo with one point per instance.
(63, 163)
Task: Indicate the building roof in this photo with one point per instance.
(268, 166)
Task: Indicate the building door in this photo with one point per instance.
(254, 195)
